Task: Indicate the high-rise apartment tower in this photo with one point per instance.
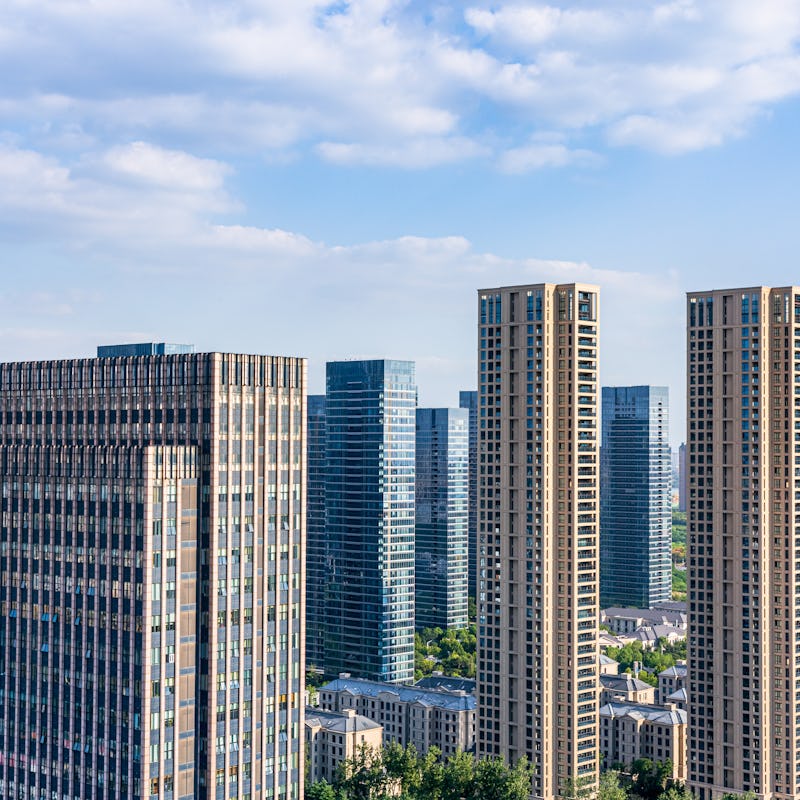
(743, 541)
(538, 531)
(635, 497)
(151, 577)
(441, 518)
(370, 419)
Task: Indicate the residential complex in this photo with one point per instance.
(409, 714)
(469, 400)
(538, 531)
(368, 616)
(151, 576)
(333, 737)
(635, 497)
(629, 731)
(442, 473)
(743, 541)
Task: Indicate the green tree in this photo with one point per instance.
(322, 790)
(495, 780)
(610, 787)
(363, 776)
(458, 776)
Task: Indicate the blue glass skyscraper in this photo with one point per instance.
(315, 531)
(369, 521)
(469, 400)
(635, 497)
(442, 517)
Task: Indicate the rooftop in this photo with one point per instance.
(407, 694)
(659, 714)
(624, 682)
(338, 721)
(143, 349)
(445, 684)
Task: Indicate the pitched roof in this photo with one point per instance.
(336, 721)
(405, 694)
(659, 714)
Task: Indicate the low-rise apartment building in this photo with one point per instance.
(409, 714)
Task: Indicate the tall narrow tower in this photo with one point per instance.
(636, 497)
(370, 417)
(538, 530)
(743, 541)
(442, 518)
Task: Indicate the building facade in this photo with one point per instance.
(151, 577)
(369, 519)
(682, 477)
(635, 497)
(469, 401)
(408, 714)
(316, 541)
(629, 731)
(442, 518)
(333, 737)
(743, 541)
(538, 531)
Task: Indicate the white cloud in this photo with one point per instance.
(370, 82)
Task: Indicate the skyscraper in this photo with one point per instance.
(441, 518)
(469, 400)
(370, 419)
(151, 565)
(635, 497)
(538, 531)
(315, 532)
(743, 541)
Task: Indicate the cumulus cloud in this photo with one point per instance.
(369, 82)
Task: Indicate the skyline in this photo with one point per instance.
(372, 164)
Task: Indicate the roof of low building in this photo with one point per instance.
(447, 684)
(676, 671)
(408, 694)
(659, 714)
(337, 721)
(624, 682)
(679, 696)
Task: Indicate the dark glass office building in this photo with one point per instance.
(315, 532)
(635, 497)
(442, 517)
(469, 400)
(369, 519)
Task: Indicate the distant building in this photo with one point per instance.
(469, 400)
(442, 465)
(671, 680)
(682, 477)
(143, 349)
(628, 620)
(333, 737)
(608, 666)
(625, 688)
(316, 539)
(629, 731)
(444, 683)
(370, 422)
(635, 497)
(409, 714)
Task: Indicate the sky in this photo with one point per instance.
(337, 179)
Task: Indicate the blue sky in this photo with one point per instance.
(337, 179)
